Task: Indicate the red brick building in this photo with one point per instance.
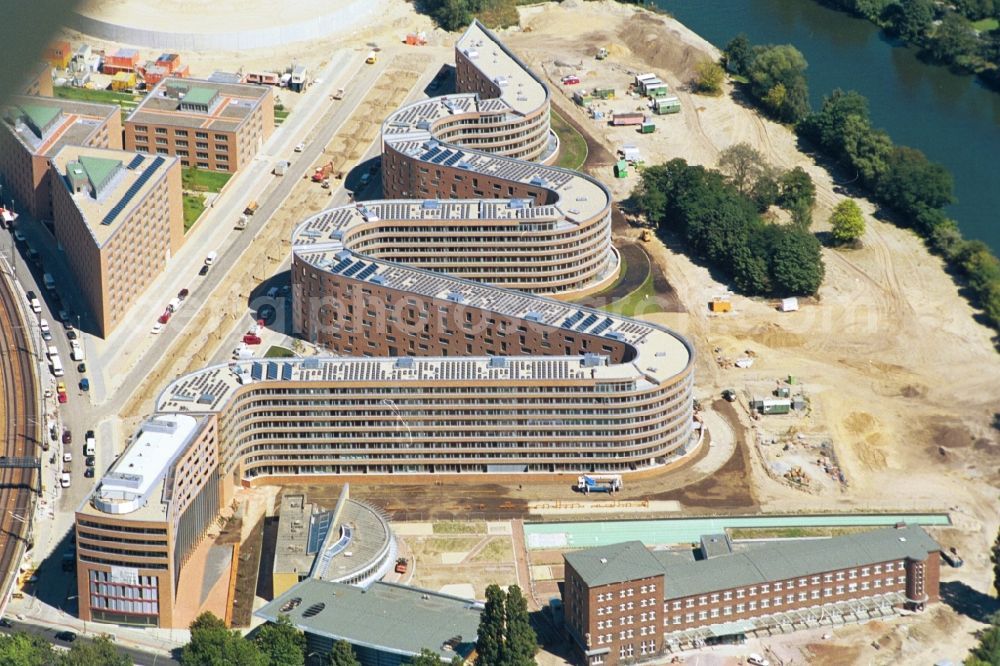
(624, 603)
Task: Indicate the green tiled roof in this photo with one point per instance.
(617, 563)
(200, 96)
(99, 169)
(758, 564)
(391, 618)
(40, 116)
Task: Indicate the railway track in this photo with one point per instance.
(19, 421)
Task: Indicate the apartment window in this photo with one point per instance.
(181, 132)
(182, 153)
(877, 583)
(203, 156)
(753, 605)
(162, 151)
(689, 603)
(702, 615)
(740, 608)
(777, 587)
(677, 605)
(764, 589)
(864, 585)
(739, 594)
(202, 165)
(878, 568)
(201, 135)
(689, 617)
(160, 141)
(814, 594)
(715, 597)
(161, 130)
(727, 595)
(888, 567)
(621, 608)
(840, 589)
(827, 591)
(652, 587)
(840, 575)
(814, 580)
(852, 574)
(726, 611)
(790, 599)
(802, 596)
(828, 578)
(764, 603)
(221, 147)
(901, 580)
(181, 142)
(753, 591)
(865, 571)
(141, 128)
(803, 582)
(702, 601)
(642, 590)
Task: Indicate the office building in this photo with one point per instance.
(205, 124)
(624, 603)
(119, 218)
(35, 129)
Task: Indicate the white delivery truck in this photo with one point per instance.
(57, 368)
(52, 352)
(76, 351)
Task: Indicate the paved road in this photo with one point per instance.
(140, 657)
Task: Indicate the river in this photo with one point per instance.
(951, 118)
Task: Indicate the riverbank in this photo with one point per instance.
(899, 373)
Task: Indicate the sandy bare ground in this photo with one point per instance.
(900, 374)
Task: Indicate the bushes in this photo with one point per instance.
(722, 225)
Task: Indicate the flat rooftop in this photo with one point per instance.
(520, 88)
(392, 618)
(228, 104)
(134, 484)
(44, 125)
(121, 180)
(310, 543)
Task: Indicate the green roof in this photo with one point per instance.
(387, 617)
(791, 559)
(99, 169)
(200, 96)
(617, 563)
(756, 564)
(40, 116)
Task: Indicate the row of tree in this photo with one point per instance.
(943, 31)
(20, 649)
(899, 177)
(457, 14)
(719, 218)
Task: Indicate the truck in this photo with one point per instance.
(90, 444)
(251, 208)
(280, 167)
(602, 53)
(339, 94)
(76, 351)
(401, 564)
(322, 172)
(57, 367)
(599, 483)
(241, 223)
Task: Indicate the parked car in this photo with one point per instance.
(64, 481)
(84, 384)
(67, 636)
(18, 236)
(68, 457)
(182, 294)
(71, 333)
(63, 398)
(61, 387)
(757, 660)
(157, 327)
(5, 623)
(299, 148)
(88, 473)
(570, 80)
(53, 435)
(67, 437)
(82, 368)
(251, 339)
(63, 316)
(165, 317)
(204, 270)
(91, 461)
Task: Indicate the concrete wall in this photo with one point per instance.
(349, 17)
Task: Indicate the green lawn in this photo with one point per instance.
(280, 115)
(572, 146)
(986, 24)
(637, 302)
(199, 180)
(127, 101)
(194, 204)
(276, 351)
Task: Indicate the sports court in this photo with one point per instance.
(689, 530)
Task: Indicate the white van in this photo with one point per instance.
(43, 325)
(76, 351)
(50, 282)
(174, 305)
(90, 447)
(210, 259)
(52, 352)
(36, 305)
(57, 368)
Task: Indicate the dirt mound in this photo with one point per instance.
(650, 40)
(859, 423)
(773, 335)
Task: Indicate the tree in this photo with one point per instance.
(954, 41)
(21, 649)
(212, 644)
(777, 79)
(521, 644)
(282, 643)
(910, 19)
(709, 77)
(100, 652)
(431, 658)
(489, 644)
(912, 182)
(987, 653)
(739, 54)
(742, 164)
(342, 654)
(765, 190)
(847, 221)
(796, 262)
(796, 187)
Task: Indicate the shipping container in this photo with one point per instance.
(620, 119)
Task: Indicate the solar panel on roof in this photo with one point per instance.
(311, 363)
(272, 370)
(344, 263)
(319, 526)
(354, 268)
(454, 158)
(286, 371)
(602, 326)
(587, 323)
(368, 271)
(430, 154)
(136, 161)
(132, 191)
(206, 399)
(256, 371)
(572, 319)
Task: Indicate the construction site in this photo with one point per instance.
(876, 394)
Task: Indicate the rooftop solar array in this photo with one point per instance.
(132, 190)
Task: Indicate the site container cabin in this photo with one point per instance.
(665, 105)
(622, 119)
